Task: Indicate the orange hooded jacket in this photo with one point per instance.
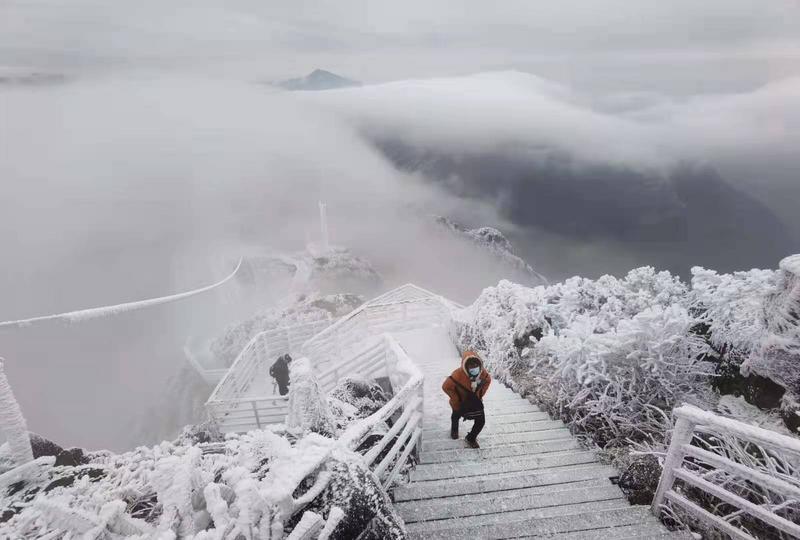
(462, 377)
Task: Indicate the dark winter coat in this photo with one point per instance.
(280, 370)
(479, 386)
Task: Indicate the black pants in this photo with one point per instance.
(480, 421)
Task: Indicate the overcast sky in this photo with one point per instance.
(379, 41)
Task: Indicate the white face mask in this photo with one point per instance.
(474, 371)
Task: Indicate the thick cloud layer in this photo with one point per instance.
(119, 189)
(700, 180)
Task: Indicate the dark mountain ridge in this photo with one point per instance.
(688, 215)
(319, 79)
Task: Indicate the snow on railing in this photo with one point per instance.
(242, 400)
(385, 458)
(200, 357)
(405, 433)
(106, 311)
(245, 398)
(405, 308)
(690, 419)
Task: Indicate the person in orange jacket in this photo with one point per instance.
(466, 387)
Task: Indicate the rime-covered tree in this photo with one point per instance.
(13, 423)
(308, 407)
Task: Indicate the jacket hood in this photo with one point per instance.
(466, 356)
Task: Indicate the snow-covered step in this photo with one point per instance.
(465, 454)
(505, 405)
(503, 408)
(496, 417)
(501, 518)
(441, 440)
(489, 483)
(644, 531)
(555, 428)
(530, 478)
(440, 471)
(455, 507)
(545, 489)
(540, 526)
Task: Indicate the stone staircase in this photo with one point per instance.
(530, 478)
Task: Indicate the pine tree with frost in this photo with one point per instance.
(13, 423)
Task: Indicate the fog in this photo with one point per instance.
(164, 155)
(120, 189)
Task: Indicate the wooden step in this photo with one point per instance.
(490, 483)
(479, 522)
(455, 507)
(492, 428)
(439, 471)
(495, 416)
(466, 454)
(432, 442)
(651, 529)
(538, 526)
(584, 483)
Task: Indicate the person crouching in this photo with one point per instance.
(466, 387)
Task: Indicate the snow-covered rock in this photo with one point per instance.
(494, 242)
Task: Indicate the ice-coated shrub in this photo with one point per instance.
(611, 356)
(366, 396)
(611, 383)
(251, 486)
(732, 305)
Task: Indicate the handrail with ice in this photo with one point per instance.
(409, 397)
(228, 406)
(375, 316)
(688, 420)
(385, 458)
(97, 312)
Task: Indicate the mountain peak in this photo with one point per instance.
(319, 79)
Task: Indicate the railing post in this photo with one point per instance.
(421, 406)
(289, 340)
(337, 338)
(255, 411)
(681, 435)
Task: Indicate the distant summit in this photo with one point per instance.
(319, 79)
(493, 241)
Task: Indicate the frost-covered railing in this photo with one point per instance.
(389, 454)
(690, 420)
(385, 458)
(406, 308)
(201, 358)
(245, 398)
